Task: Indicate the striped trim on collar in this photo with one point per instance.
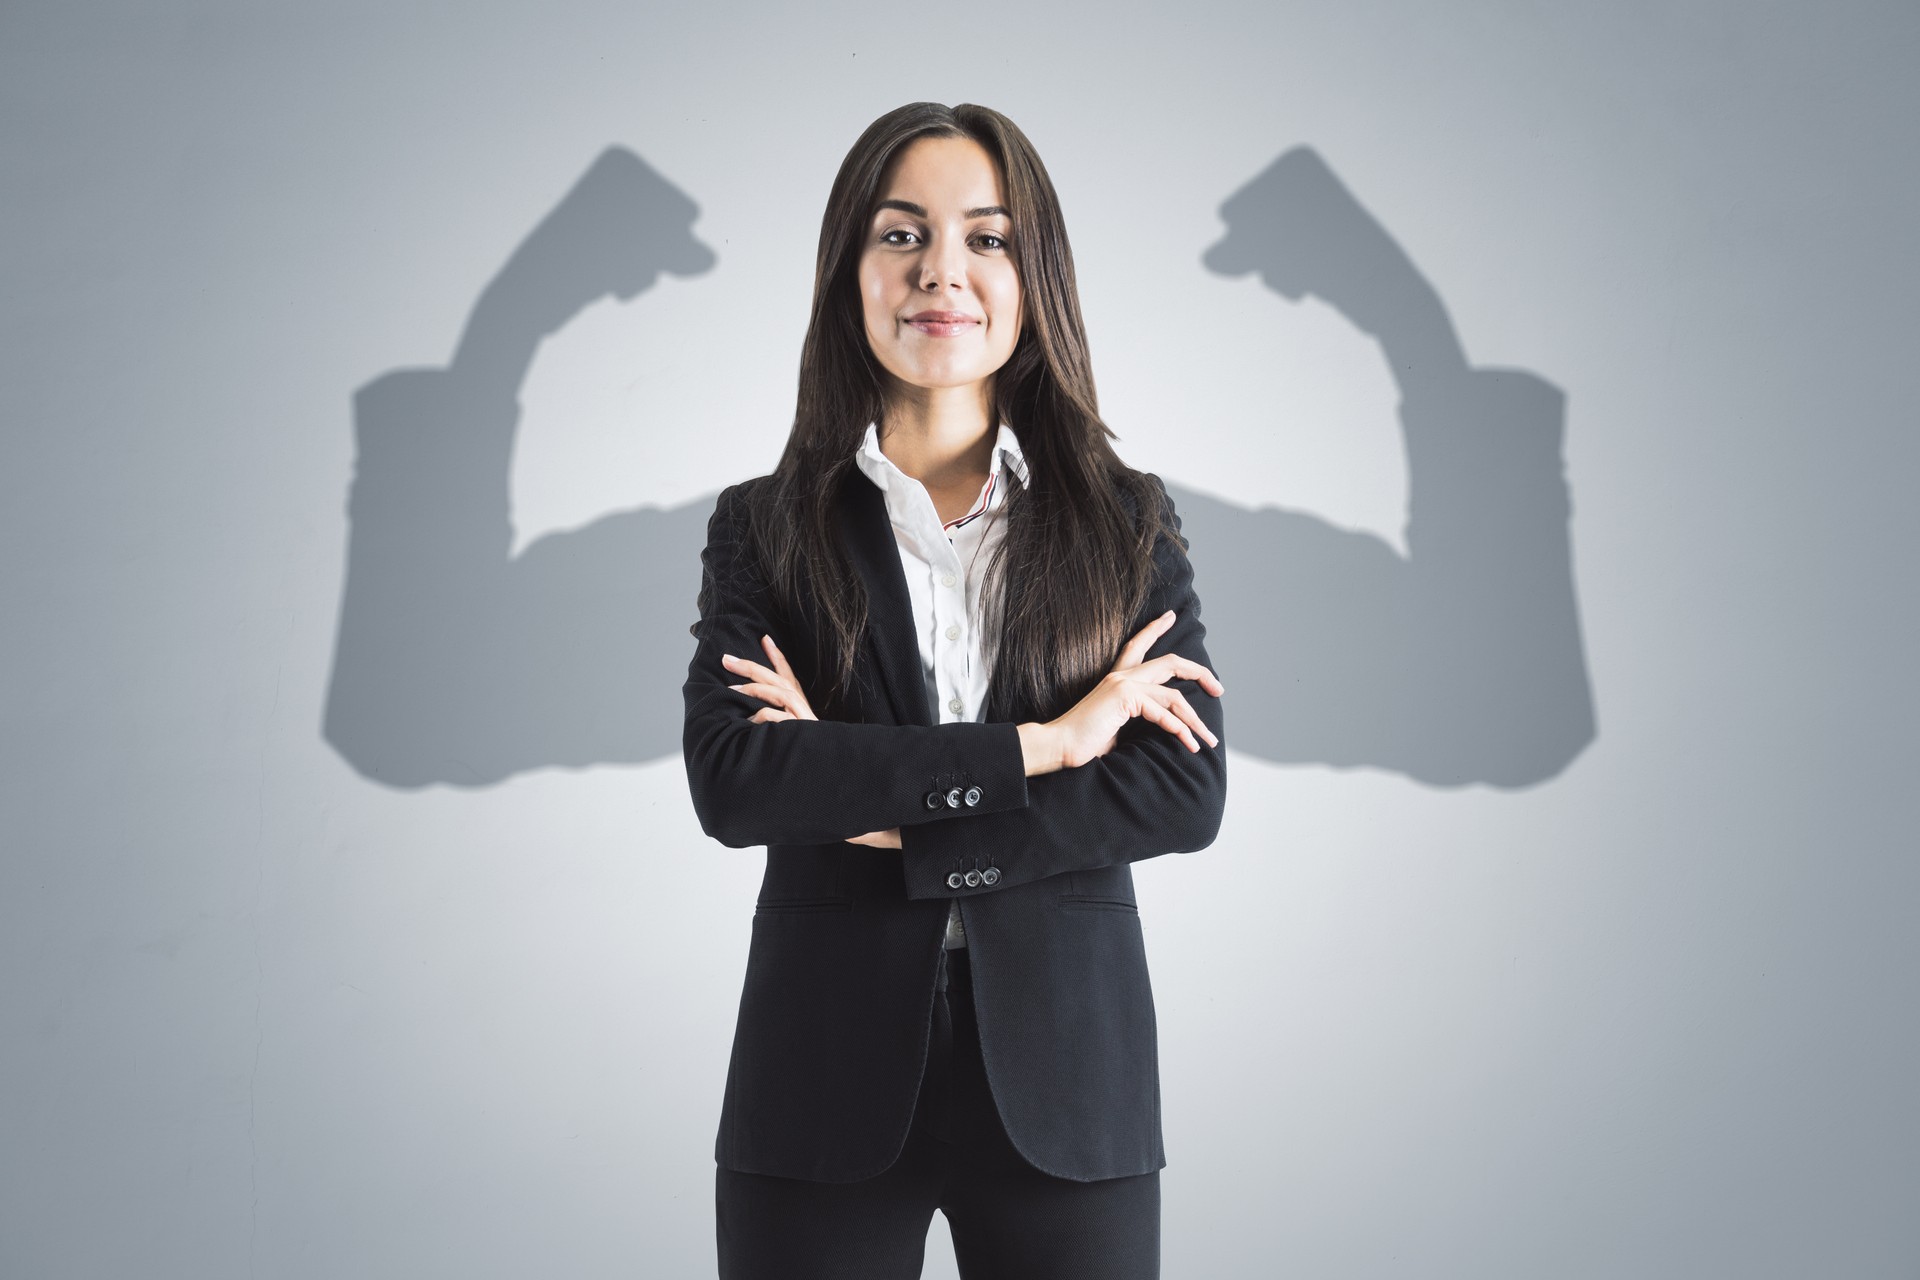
(878, 467)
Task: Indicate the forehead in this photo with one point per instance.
(943, 175)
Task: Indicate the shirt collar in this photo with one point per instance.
(879, 467)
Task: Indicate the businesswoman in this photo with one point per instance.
(950, 672)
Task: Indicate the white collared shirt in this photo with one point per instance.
(945, 566)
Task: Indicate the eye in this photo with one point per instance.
(999, 241)
(886, 237)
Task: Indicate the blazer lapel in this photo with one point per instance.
(867, 532)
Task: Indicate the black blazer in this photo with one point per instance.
(835, 1017)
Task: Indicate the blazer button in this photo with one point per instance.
(972, 797)
(954, 881)
(935, 799)
(953, 798)
(990, 876)
(973, 879)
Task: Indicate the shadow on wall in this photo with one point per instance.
(457, 662)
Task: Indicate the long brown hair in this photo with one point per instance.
(1075, 564)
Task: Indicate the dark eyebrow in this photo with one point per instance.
(919, 211)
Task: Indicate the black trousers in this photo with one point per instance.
(1009, 1220)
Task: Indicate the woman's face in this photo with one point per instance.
(940, 242)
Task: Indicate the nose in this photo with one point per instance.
(945, 264)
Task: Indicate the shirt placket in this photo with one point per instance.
(951, 668)
(949, 592)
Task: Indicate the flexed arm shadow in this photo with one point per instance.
(456, 661)
(1461, 662)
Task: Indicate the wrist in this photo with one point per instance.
(1040, 748)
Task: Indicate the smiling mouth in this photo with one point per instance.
(943, 325)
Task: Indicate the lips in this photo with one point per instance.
(944, 324)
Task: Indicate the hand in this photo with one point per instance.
(776, 685)
(1135, 688)
(888, 839)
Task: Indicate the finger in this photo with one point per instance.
(779, 660)
(766, 693)
(1154, 712)
(768, 715)
(1169, 666)
(801, 707)
(1135, 650)
(748, 667)
(1178, 704)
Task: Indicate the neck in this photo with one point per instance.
(939, 434)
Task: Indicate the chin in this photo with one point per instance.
(944, 376)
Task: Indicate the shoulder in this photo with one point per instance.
(1147, 502)
(732, 536)
(1161, 499)
(733, 509)
(1157, 525)
(741, 493)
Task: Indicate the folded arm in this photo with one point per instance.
(800, 781)
(814, 781)
(1147, 796)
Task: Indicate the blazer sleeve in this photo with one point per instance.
(811, 781)
(1147, 796)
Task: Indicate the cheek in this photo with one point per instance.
(873, 304)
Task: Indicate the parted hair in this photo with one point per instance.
(1076, 560)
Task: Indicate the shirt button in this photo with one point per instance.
(972, 879)
(946, 579)
(953, 880)
(953, 633)
(953, 798)
(955, 705)
(972, 797)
